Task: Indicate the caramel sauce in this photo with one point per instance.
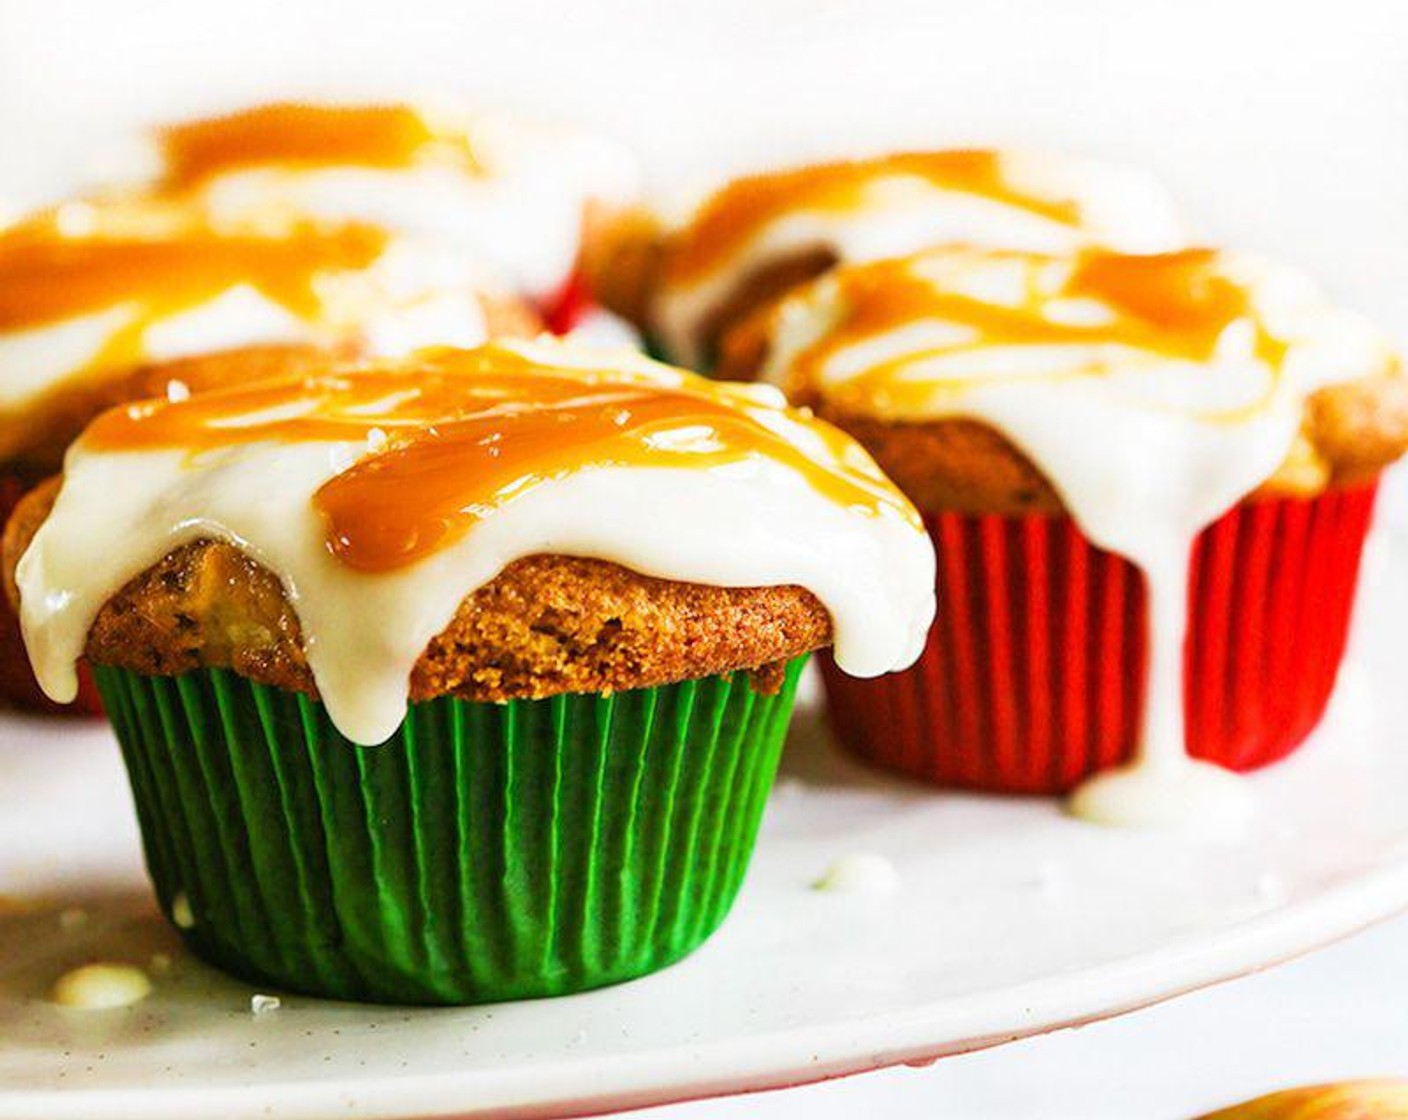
(738, 212)
(466, 431)
(1180, 299)
(46, 277)
(296, 135)
(172, 264)
(1176, 305)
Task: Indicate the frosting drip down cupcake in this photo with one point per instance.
(382, 497)
(1145, 396)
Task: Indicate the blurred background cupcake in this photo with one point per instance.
(518, 196)
(1148, 478)
(109, 300)
(691, 277)
(567, 592)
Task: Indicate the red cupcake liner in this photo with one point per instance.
(18, 688)
(565, 308)
(1033, 675)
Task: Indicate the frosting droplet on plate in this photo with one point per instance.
(1186, 795)
(860, 874)
(101, 987)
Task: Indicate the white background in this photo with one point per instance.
(1284, 126)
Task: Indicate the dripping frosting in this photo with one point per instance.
(383, 495)
(864, 210)
(1153, 392)
(89, 288)
(511, 193)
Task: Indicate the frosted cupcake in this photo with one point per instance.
(106, 302)
(690, 279)
(567, 593)
(518, 196)
(1149, 478)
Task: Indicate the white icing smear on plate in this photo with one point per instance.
(861, 873)
(1154, 393)
(753, 521)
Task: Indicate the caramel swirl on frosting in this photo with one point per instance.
(515, 195)
(902, 334)
(158, 261)
(755, 234)
(459, 434)
(736, 214)
(296, 135)
(94, 290)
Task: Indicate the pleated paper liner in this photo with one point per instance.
(18, 688)
(486, 852)
(1033, 676)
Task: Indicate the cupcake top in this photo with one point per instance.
(1171, 382)
(758, 235)
(511, 193)
(672, 527)
(91, 291)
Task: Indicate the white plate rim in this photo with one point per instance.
(755, 1064)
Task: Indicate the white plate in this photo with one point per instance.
(1009, 919)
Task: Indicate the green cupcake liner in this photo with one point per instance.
(655, 349)
(485, 852)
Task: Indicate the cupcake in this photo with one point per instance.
(1149, 478)
(103, 302)
(462, 678)
(519, 196)
(691, 280)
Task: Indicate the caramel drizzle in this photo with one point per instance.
(46, 277)
(737, 214)
(299, 136)
(464, 432)
(1175, 305)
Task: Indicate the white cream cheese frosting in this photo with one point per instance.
(727, 487)
(509, 192)
(91, 289)
(1153, 392)
(889, 206)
